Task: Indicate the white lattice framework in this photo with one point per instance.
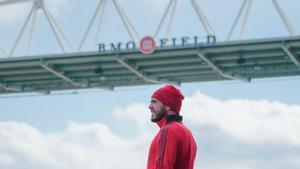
(98, 16)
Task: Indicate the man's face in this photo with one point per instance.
(158, 110)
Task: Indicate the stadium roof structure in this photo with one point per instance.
(240, 60)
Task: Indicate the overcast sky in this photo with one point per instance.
(237, 125)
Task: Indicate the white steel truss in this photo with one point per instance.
(38, 5)
(100, 9)
(246, 7)
(284, 18)
(170, 10)
(172, 4)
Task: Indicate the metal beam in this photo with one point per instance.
(133, 70)
(3, 51)
(22, 30)
(99, 25)
(264, 58)
(128, 25)
(39, 4)
(52, 26)
(163, 18)
(101, 3)
(31, 31)
(220, 71)
(61, 75)
(284, 18)
(245, 18)
(171, 19)
(5, 87)
(70, 43)
(208, 28)
(236, 20)
(291, 56)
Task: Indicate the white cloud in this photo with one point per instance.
(140, 115)
(6, 160)
(95, 145)
(80, 146)
(249, 121)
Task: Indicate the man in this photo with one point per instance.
(174, 146)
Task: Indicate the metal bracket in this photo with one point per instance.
(220, 71)
(133, 70)
(291, 56)
(61, 75)
(4, 86)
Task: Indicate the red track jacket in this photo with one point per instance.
(173, 147)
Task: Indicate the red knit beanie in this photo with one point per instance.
(169, 96)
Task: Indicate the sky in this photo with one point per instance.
(237, 125)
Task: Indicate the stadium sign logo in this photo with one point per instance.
(147, 44)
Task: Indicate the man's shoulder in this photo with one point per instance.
(175, 127)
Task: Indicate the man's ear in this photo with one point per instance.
(168, 108)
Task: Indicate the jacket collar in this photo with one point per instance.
(168, 119)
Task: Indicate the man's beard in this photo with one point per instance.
(162, 114)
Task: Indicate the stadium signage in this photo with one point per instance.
(147, 45)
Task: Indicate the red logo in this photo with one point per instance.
(147, 45)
